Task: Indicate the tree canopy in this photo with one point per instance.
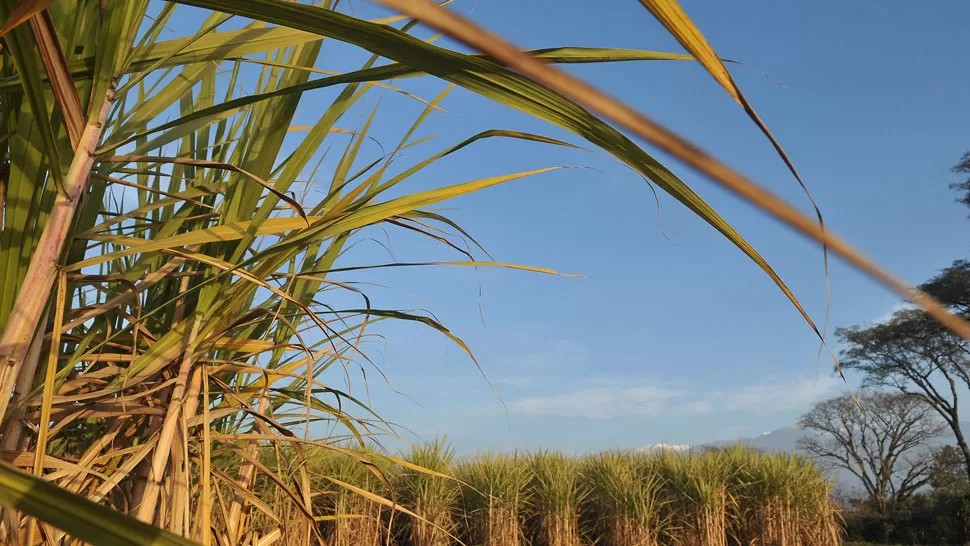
(963, 167)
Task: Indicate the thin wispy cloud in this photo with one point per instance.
(697, 407)
(899, 306)
(645, 400)
(774, 396)
(600, 402)
(557, 353)
(515, 381)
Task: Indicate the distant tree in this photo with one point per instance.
(947, 471)
(885, 446)
(913, 354)
(951, 287)
(963, 167)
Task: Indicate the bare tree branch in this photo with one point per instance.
(884, 446)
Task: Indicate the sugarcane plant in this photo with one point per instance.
(174, 247)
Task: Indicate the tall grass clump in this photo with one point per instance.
(695, 485)
(432, 498)
(625, 505)
(715, 497)
(783, 500)
(277, 517)
(348, 488)
(495, 489)
(818, 517)
(557, 493)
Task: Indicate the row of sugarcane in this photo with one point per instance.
(720, 497)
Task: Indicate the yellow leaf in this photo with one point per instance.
(673, 17)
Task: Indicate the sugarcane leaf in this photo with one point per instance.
(90, 522)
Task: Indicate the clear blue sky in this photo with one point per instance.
(674, 335)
